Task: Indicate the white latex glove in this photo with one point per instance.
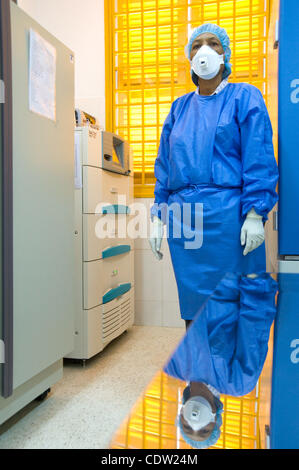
(156, 235)
(252, 232)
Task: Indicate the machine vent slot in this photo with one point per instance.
(126, 312)
(110, 313)
(107, 321)
(128, 309)
(110, 333)
(110, 325)
(107, 317)
(126, 318)
(126, 302)
(125, 321)
(126, 306)
(115, 320)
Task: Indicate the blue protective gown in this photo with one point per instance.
(216, 150)
(227, 343)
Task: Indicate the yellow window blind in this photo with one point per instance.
(146, 67)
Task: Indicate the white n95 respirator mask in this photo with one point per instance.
(197, 411)
(206, 62)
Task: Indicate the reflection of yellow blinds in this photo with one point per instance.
(151, 424)
(146, 68)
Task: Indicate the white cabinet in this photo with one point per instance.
(105, 253)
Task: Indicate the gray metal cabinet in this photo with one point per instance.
(44, 286)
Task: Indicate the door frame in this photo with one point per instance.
(7, 200)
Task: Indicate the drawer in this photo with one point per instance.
(104, 236)
(103, 188)
(106, 279)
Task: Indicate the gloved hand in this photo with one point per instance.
(252, 232)
(156, 235)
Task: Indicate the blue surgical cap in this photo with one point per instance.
(215, 434)
(223, 38)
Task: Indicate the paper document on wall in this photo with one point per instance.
(42, 76)
(78, 170)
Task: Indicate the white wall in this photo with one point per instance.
(156, 297)
(79, 24)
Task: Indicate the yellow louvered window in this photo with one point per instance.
(146, 67)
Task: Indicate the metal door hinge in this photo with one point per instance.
(2, 92)
(276, 41)
(267, 436)
(275, 221)
(2, 352)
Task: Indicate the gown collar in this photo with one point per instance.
(218, 89)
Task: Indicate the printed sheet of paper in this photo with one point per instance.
(42, 76)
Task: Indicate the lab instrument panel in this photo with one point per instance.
(105, 254)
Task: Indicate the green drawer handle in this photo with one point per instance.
(116, 292)
(115, 250)
(116, 209)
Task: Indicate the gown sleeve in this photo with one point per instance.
(161, 169)
(259, 167)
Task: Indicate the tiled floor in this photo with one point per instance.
(86, 407)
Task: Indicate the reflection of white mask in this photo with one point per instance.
(198, 413)
(206, 62)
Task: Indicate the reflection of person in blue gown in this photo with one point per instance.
(216, 150)
(208, 432)
(226, 345)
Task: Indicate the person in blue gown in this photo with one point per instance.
(225, 347)
(216, 158)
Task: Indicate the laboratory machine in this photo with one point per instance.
(37, 209)
(104, 250)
